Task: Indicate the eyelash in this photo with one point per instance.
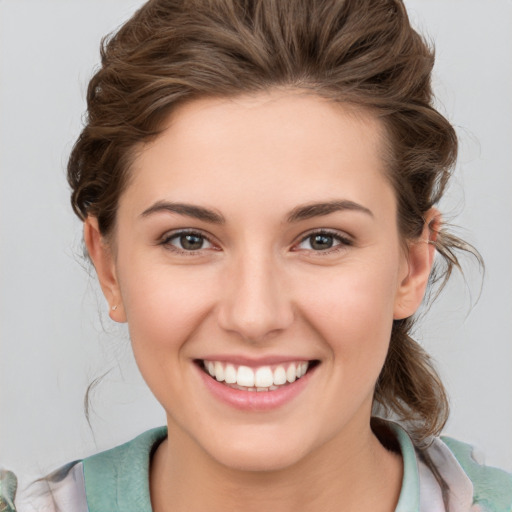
(343, 242)
(168, 237)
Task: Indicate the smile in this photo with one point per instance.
(261, 378)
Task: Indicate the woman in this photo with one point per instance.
(258, 183)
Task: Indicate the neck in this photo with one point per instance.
(351, 474)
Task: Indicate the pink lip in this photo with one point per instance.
(255, 400)
(254, 362)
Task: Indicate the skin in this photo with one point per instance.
(259, 288)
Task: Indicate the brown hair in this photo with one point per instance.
(360, 52)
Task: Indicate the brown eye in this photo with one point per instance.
(187, 242)
(191, 242)
(321, 242)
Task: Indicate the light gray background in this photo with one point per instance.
(54, 332)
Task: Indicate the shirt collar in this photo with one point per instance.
(118, 479)
(409, 500)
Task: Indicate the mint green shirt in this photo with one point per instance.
(117, 480)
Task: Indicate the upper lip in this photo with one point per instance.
(253, 362)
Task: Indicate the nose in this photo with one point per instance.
(255, 304)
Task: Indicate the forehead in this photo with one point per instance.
(292, 146)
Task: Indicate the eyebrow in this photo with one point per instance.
(318, 209)
(197, 212)
(299, 213)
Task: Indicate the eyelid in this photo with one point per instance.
(166, 238)
(344, 239)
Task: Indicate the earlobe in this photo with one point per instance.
(420, 259)
(103, 260)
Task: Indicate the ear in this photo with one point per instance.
(103, 260)
(420, 258)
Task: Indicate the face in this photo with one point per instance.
(257, 240)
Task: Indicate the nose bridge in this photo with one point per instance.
(255, 303)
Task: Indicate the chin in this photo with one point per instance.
(260, 451)
(258, 460)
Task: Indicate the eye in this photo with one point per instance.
(323, 241)
(187, 241)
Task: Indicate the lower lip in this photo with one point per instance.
(255, 400)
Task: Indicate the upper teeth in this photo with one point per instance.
(260, 377)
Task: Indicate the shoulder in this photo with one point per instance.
(446, 477)
(116, 480)
(492, 487)
(62, 489)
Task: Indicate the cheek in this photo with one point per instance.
(353, 311)
(165, 305)
(165, 309)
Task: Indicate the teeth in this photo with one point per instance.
(230, 374)
(245, 377)
(279, 376)
(291, 373)
(264, 377)
(219, 371)
(259, 379)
